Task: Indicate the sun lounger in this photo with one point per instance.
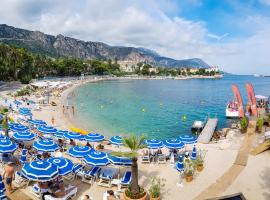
(70, 195)
(146, 159)
(91, 175)
(20, 180)
(106, 176)
(125, 181)
(161, 159)
(78, 170)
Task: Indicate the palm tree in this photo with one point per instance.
(134, 143)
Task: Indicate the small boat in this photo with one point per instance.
(232, 110)
(197, 126)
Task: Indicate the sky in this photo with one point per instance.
(233, 34)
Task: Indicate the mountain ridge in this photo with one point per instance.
(60, 45)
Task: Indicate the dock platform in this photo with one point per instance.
(208, 131)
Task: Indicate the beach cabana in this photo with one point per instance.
(16, 127)
(188, 139)
(154, 144)
(180, 164)
(65, 165)
(96, 158)
(79, 151)
(94, 137)
(24, 136)
(37, 122)
(73, 135)
(41, 171)
(2, 189)
(7, 146)
(45, 146)
(47, 129)
(174, 144)
(116, 140)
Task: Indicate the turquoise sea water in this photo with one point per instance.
(157, 107)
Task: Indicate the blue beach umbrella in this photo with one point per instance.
(94, 137)
(120, 161)
(74, 136)
(45, 145)
(174, 144)
(65, 165)
(37, 122)
(15, 127)
(154, 144)
(24, 136)
(188, 139)
(194, 153)
(79, 151)
(7, 146)
(96, 158)
(17, 102)
(42, 171)
(180, 164)
(47, 129)
(116, 140)
(2, 189)
(60, 133)
(3, 137)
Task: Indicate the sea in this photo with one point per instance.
(159, 109)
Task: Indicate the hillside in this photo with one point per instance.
(58, 46)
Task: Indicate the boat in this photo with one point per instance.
(232, 110)
(197, 126)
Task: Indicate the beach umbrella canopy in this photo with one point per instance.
(194, 153)
(180, 164)
(154, 144)
(2, 189)
(41, 170)
(16, 127)
(174, 144)
(45, 145)
(17, 102)
(65, 165)
(7, 146)
(79, 151)
(3, 137)
(96, 158)
(188, 139)
(116, 140)
(47, 129)
(94, 137)
(37, 122)
(60, 133)
(24, 136)
(121, 161)
(25, 111)
(74, 136)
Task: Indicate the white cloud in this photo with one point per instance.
(140, 23)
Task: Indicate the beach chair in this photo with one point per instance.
(125, 181)
(71, 194)
(35, 190)
(146, 158)
(91, 175)
(106, 176)
(161, 159)
(78, 170)
(20, 181)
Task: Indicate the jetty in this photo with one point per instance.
(208, 131)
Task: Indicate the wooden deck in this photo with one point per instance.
(208, 131)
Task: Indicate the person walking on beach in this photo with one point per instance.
(53, 120)
(73, 110)
(63, 109)
(8, 176)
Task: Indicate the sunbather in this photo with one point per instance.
(62, 192)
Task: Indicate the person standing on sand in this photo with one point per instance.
(53, 120)
(8, 176)
(63, 109)
(73, 110)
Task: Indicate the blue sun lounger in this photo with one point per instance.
(125, 181)
(106, 176)
(91, 175)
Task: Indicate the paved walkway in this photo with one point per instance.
(223, 182)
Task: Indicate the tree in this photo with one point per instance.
(5, 125)
(134, 143)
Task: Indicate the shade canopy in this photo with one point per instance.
(188, 139)
(47, 129)
(79, 151)
(74, 136)
(16, 127)
(37, 122)
(60, 133)
(94, 137)
(116, 140)
(120, 161)
(154, 144)
(24, 136)
(96, 158)
(40, 171)
(7, 146)
(45, 145)
(65, 165)
(174, 144)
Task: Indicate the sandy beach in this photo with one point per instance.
(253, 179)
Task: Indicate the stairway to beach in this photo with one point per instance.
(223, 182)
